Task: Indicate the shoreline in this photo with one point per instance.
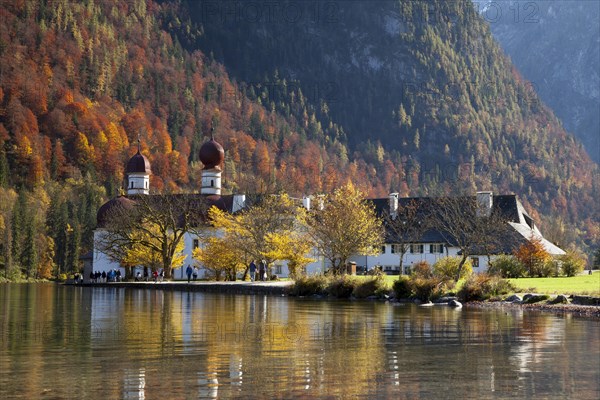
(281, 288)
(592, 312)
(276, 288)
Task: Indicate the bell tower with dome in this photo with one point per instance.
(212, 156)
(138, 174)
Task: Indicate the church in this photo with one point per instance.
(432, 246)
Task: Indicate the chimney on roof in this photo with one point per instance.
(306, 202)
(485, 201)
(393, 203)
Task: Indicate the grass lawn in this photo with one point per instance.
(581, 284)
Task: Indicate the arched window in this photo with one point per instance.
(132, 184)
(212, 183)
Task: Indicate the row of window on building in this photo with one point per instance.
(434, 248)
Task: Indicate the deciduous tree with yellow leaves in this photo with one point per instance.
(146, 250)
(261, 229)
(345, 225)
(221, 258)
(153, 224)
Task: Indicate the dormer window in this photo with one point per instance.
(529, 221)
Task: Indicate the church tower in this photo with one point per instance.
(212, 156)
(138, 174)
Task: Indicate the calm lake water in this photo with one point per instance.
(92, 343)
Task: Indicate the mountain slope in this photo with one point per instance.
(422, 83)
(556, 45)
(80, 82)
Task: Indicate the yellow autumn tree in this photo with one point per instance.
(345, 225)
(153, 225)
(221, 258)
(145, 250)
(294, 248)
(257, 229)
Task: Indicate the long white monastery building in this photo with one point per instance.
(430, 247)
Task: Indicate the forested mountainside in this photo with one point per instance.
(417, 88)
(311, 107)
(79, 81)
(420, 88)
(556, 45)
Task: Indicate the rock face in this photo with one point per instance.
(445, 300)
(556, 46)
(560, 299)
(531, 298)
(586, 300)
(455, 304)
(514, 299)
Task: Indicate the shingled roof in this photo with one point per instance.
(508, 207)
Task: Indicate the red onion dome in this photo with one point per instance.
(138, 164)
(212, 154)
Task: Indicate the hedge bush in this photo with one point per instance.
(507, 266)
(484, 286)
(422, 269)
(446, 268)
(403, 288)
(341, 286)
(571, 263)
(375, 286)
(426, 289)
(310, 285)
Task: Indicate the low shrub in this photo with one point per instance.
(484, 286)
(422, 269)
(426, 289)
(550, 268)
(403, 288)
(12, 275)
(376, 286)
(571, 263)
(507, 266)
(342, 286)
(446, 268)
(309, 285)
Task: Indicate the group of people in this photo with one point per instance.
(157, 275)
(191, 272)
(262, 270)
(114, 275)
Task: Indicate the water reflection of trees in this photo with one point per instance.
(137, 344)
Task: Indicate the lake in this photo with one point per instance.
(90, 343)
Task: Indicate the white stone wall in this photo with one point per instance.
(138, 184)
(388, 260)
(101, 262)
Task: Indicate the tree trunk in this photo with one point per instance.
(460, 266)
(401, 264)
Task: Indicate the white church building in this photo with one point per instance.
(430, 247)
